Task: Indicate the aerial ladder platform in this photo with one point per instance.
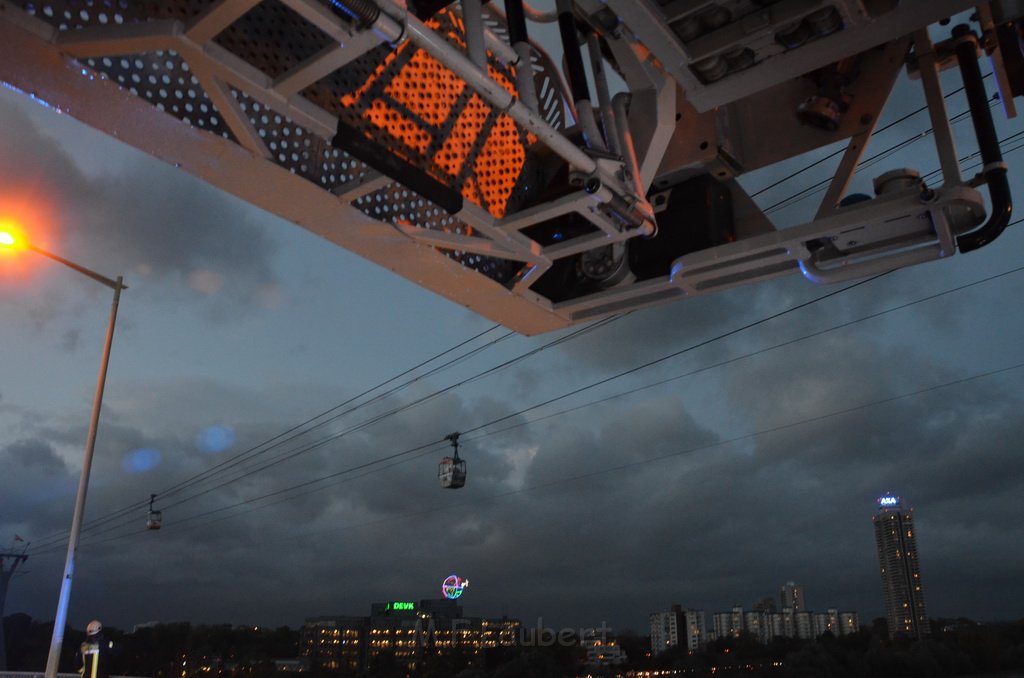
(544, 182)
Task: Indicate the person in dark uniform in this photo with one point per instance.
(96, 655)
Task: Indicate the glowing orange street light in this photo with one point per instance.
(9, 238)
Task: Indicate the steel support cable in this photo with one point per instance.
(235, 459)
(867, 162)
(735, 359)
(843, 149)
(256, 449)
(565, 395)
(430, 448)
(605, 399)
(728, 334)
(648, 460)
(201, 477)
(975, 154)
(818, 187)
(288, 454)
(293, 453)
(215, 472)
(705, 368)
(603, 381)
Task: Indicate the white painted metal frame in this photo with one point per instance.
(902, 229)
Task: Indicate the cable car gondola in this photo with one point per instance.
(155, 517)
(452, 470)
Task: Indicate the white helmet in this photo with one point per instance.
(93, 628)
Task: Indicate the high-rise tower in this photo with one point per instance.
(792, 596)
(902, 594)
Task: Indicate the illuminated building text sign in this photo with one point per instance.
(888, 501)
(400, 605)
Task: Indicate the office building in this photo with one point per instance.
(334, 643)
(902, 593)
(403, 630)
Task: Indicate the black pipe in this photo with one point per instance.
(573, 55)
(516, 17)
(988, 144)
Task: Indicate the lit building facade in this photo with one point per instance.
(693, 627)
(793, 596)
(826, 622)
(664, 631)
(602, 652)
(677, 627)
(728, 624)
(765, 624)
(404, 630)
(334, 643)
(902, 592)
(848, 623)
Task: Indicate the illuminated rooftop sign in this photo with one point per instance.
(453, 586)
(400, 605)
(888, 501)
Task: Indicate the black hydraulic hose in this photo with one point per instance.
(573, 55)
(516, 16)
(988, 144)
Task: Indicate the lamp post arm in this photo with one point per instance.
(113, 284)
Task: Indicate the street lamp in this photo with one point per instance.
(10, 239)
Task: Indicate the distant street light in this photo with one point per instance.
(10, 239)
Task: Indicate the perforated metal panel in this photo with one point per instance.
(414, 106)
(271, 37)
(249, 96)
(164, 80)
(403, 99)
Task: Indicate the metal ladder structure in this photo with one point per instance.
(441, 141)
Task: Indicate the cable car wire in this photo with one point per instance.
(309, 447)
(276, 441)
(432, 446)
(639, 462)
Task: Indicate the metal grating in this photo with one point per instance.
(406, 101)
(297, 149)
(273, 38)
(396, 204)
(164, 80)
(403, 99)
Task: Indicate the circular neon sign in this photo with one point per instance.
(453, 586)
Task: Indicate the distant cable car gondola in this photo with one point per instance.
(155, 517)
(452, 470)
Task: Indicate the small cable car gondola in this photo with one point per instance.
(452, 470)
(155, 517)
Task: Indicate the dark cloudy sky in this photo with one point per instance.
(708, 490)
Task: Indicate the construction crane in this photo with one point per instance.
(443, 142)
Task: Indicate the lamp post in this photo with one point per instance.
(53, 659)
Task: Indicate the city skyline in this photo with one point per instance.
(754, 465)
